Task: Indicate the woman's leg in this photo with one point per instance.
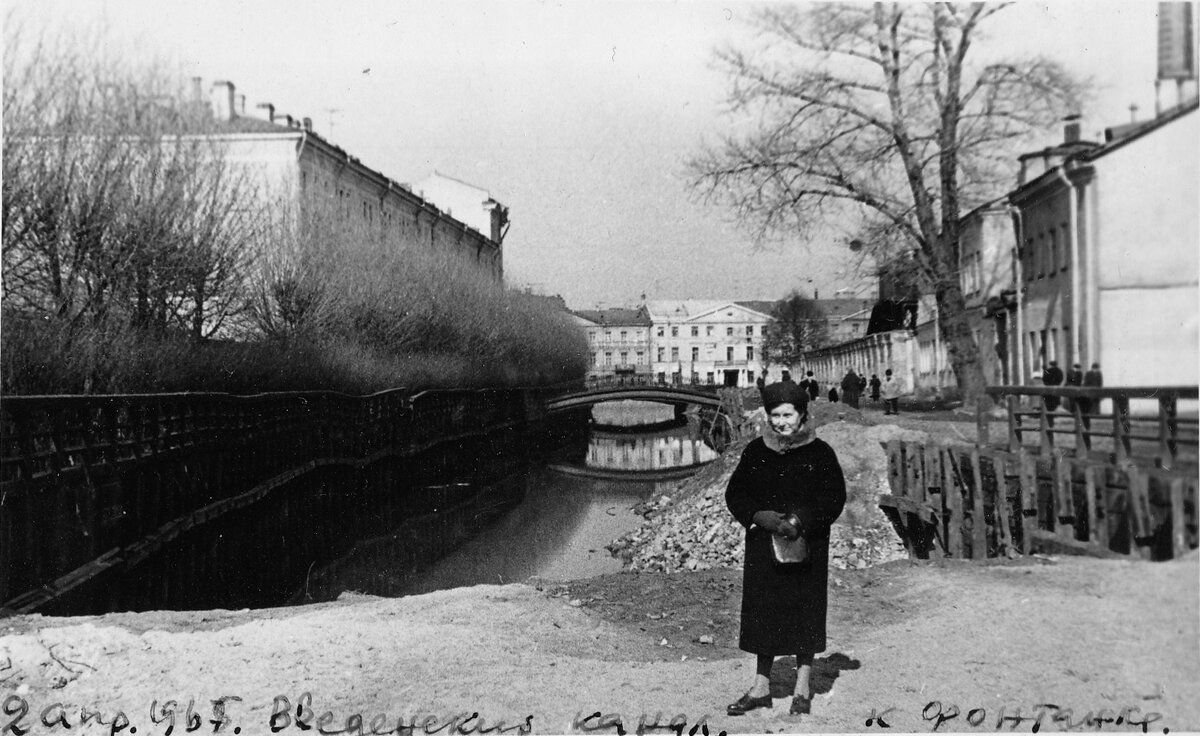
(762, 676)
(803, 674)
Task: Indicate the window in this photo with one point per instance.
(624, 358)
(749, 330)
(608, 334)
(729, 331)
(750, 376)
(623, 335)
(674, 332)
(596, 359)
(608, 359)
(695, 331)
(709, 377)
(708, 331)
(674, 354)
(661, 355)
(729, 353)
(695, 354)
(1027, 259)
(749, 352)
(660, 332)
(641, 358)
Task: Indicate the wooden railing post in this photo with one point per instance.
(1121, 440)
(1168, 429)
(1014, 423)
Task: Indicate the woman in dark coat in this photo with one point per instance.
(787, 483)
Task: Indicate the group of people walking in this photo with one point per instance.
(1052, 375)
(852, 388)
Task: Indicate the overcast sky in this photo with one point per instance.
(579, 116)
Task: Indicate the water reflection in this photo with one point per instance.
(576, 505)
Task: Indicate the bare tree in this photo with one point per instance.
(879, 113)
(119, 205)
(800, 325)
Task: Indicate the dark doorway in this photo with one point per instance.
(731, 378)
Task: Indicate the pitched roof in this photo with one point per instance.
(616, 316)
(1119, 135)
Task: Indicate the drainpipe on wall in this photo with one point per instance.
(1076, 281)
(1018, 372)
(1093, 274)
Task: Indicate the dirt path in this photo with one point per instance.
(1081, 634)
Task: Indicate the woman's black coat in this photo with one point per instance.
(783, 607)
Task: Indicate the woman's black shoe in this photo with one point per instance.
(745, 704)
(800, 704)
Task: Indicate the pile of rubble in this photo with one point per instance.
(689, 527)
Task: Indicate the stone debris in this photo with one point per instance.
(690, 528)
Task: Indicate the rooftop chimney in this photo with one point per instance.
(240, 109)
(308, 124)
(222, 100)
(270, 110)
(1071, 128)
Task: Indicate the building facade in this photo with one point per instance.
(1109, 263)
(293, 168)
(714, 342)
(618, 340)
(985, 269)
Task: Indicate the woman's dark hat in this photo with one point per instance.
(784, 392)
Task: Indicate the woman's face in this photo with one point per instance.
(785, 419)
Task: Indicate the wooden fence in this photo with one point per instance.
(88, 483)
(1085, 483)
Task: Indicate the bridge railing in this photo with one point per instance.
(604, 382)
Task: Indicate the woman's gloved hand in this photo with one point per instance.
(777, 524)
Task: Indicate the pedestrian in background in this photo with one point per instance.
(1052, 375)
(850, 388)
(814, 389)
(875, 383)
(891, 393)
(788, 486)
(1074, 379)
(1092, 379)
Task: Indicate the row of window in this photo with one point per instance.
(640, 357)
(730, 330)
(1047, 345)
(1046, 254)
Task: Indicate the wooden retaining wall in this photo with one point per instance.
(92, 483)
(978, 502)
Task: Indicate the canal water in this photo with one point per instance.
(526, 502)
(577, 502)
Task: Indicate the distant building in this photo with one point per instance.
(717, 342)
(1109, 261)
(618, 340)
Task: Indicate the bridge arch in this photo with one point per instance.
(660, 394)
